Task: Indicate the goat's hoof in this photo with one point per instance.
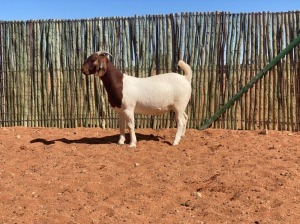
(132, 145)
(120, 142)
(175, 143)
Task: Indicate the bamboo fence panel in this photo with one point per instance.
(42, 84)
(2, 81)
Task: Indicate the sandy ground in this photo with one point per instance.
(50, 175)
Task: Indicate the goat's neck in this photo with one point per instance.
(113, 83)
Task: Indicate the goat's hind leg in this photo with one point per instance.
(181, 124)
(186, 117)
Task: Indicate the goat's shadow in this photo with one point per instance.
(113, 139)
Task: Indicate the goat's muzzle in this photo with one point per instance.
(85, 70)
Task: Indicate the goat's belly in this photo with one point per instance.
(151, 110)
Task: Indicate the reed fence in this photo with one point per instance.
(41, 84)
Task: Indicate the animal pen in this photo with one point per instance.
(41, 84)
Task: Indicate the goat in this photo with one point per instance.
(152, 95)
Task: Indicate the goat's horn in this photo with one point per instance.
(103, 53)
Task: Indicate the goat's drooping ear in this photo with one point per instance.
(101, 66)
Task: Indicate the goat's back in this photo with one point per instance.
(156, 94)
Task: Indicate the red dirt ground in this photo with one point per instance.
(50, 175)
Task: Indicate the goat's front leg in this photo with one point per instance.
(122, 125)
(129, 116)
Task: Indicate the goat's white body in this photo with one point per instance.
(155, 95)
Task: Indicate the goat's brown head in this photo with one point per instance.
(96, 64)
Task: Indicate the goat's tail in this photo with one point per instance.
(187, 70)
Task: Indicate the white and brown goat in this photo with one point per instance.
(152, 95)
